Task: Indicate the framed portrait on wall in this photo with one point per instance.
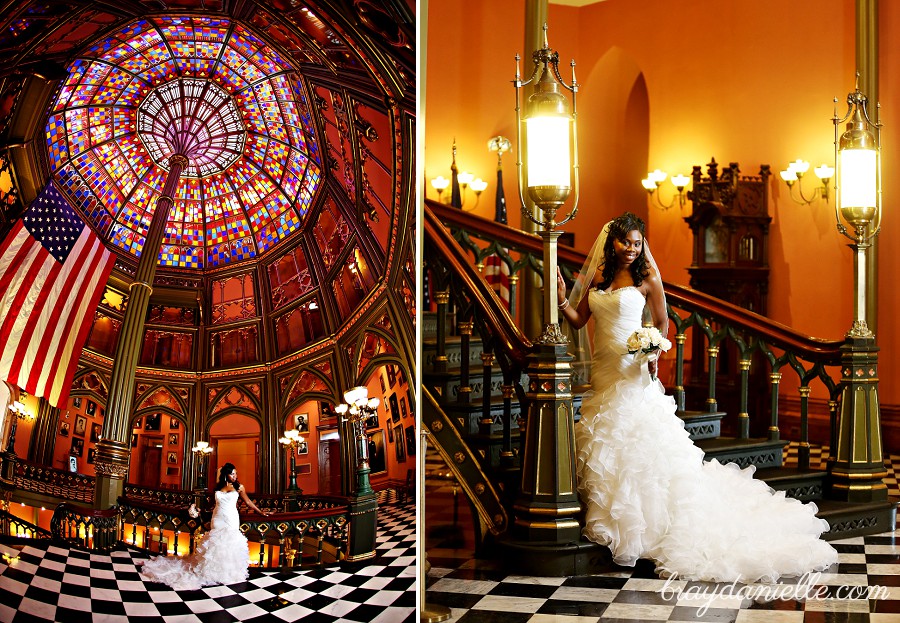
(392, 374)
(303, 448)
(171, 471)
(173, 439)
(403, 406)
(381, 380)
(134, 440)
(395, 408)
(409, 401)
(390, 431)
(76, 402)
(173, 423)
(400, 446)
(95, 432)
(301, 422)
(411, 440)
(152, 422)
(91, 452)
(91, 408)
(376, 452)
(77, 446)
(137, 423)
(64, 429)
(172, 457)
(304, 468)
(372, 422)
(80, 425)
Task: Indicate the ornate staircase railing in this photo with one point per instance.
(469, 323)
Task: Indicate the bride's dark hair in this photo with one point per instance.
(223, 477)
(618, 230)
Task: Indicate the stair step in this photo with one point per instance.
(849, 519)
(744, 452)
(800, 484)
(702, 424)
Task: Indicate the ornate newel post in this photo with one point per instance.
(546, 530)
(856, 467)
(363, 501)
(111, 461)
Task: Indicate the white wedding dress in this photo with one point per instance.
(649, 494)
(222, 557)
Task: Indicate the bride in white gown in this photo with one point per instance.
(647, 491)
(222, 557)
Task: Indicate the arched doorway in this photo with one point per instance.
(235, 438)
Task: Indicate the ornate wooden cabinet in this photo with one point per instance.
(730, 226)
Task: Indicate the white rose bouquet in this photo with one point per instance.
(646, 344)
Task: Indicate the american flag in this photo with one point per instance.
(53, 269)
(496, 271)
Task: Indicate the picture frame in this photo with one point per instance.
(390, 431)
(304, 468)
(377, 459)
(80, 426)
(172, 457)
(395, 408)
(134, 440)
(173, 439)
(95, 433)
(372, 421)
(381, 380)
(171, 471)
(392, 375)
(303, 448)
(400, 446)
(174, 424)
(301, 422)
(137, 423)
(411, 440)
(410, 402)
(151, 422)
(90, 456)
(91, 408)
(76, 402)
(73, 464)
(64, 429)
(403, 407)
(77, 447)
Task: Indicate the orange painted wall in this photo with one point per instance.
(669, 85)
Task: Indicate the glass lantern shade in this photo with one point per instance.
(549, 163)
(859, 180)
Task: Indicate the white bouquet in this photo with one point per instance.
(193, 511)
(646, 343)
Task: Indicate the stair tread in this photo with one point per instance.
(773, 474)
(724, 444)
(700, 415)
(837, 507)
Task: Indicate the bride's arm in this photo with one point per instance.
(575, 316)
(249, 502)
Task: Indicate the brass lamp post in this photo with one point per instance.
(856, 468)
(202, 450)
(547, 507)
(291, 441)
(358, 408)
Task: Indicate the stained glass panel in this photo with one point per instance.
(211, 90)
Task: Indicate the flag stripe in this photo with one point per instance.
(70, 330)
(24, 288)
(56, 319)
(108, 262)
(25, 328)
(13, 260)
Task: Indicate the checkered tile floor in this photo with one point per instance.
(55, 584)
(864, 586)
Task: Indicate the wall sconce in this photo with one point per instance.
(655, 179)
(462, 180)
(794, 174)
(291, 440)
(19, 412)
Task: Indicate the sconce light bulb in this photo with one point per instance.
(465, 178)
(680, 181)
(648, 184)
(789, 175)
(440, 183)
(657, 176)
(824, 172)
(478, 185)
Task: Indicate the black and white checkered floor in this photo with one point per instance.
(864, 586)
(49, 583)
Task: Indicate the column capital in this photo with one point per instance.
(179, 160)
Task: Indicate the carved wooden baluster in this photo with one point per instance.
(513, 287)
(711, 405)
(744, 415)
(775, 381)
(833, 417)
(465, 388)
(507, 456)
(679, 370)
(803, 455)
(440, 357)
(487, 419)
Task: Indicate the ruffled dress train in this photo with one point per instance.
(648, 492)
(221, 557)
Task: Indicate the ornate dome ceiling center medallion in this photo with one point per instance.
(195, 118)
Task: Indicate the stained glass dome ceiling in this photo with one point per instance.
(211, 89)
